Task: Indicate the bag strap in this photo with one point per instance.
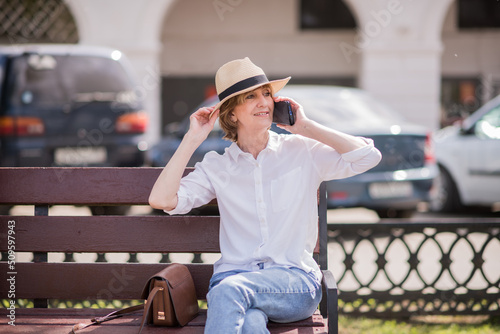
(110, 316)
(147, 306)
(120, 313)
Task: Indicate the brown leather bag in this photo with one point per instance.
(172, 297)
(170, 300)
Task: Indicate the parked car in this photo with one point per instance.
(468, 155)
(69, 105)
(394, 188)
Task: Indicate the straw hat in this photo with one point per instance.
(240, 76)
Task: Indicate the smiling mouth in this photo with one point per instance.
(262, 113)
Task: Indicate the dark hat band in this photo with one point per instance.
(243, 84)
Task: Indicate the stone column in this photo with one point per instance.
(400, 46)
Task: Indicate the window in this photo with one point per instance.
(459, 98)
(325, 14)
(478, 14)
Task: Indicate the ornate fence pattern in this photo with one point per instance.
(401, 269)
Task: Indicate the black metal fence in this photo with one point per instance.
(398, 269)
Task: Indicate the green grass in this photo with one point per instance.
(423, 325)
(347, 324)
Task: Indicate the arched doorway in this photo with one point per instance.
(47, 21)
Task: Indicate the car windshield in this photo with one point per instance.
(46, 80)
(489, 125)
(333, 106)
(337, 107)
(2, 73)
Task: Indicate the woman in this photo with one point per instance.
(265, 185)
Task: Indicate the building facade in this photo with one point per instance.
(431, 60)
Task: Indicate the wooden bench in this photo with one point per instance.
(41, 280)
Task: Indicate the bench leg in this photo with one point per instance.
(333, 313)
(330, 293)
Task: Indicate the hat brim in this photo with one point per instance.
(277, 85)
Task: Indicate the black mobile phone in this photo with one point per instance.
(283, 113)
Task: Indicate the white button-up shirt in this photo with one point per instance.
(268, 206)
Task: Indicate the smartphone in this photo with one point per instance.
(283, 113)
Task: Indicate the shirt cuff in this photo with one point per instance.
(182, 204)
(359, 153)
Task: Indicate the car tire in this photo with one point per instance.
(394, 213)
(121, 210)
(4, 210)
(445, 197)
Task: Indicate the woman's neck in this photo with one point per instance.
(253, 144)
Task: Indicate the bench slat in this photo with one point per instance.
(105, 234)
(57, 320)
(91, 280)
(108, 186)
(112, 234)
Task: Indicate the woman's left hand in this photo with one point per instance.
(300, 117)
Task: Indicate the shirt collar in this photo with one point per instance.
(272, 144)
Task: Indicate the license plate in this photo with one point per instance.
(390, 189)
(76, 156)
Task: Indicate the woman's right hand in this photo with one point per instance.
(164, 193)
(200, 123)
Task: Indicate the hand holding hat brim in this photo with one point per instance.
(241, 76)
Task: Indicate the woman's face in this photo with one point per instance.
(256, 112)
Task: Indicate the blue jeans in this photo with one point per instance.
(244, 301)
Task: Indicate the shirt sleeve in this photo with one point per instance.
(331, 165)
(195, 190)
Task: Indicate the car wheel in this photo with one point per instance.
(445, 197)
(121, 210)
(393, 213)
(4, 210)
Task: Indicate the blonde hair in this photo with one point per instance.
(229, 127)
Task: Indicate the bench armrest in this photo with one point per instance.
(329, 303)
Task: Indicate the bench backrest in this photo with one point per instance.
(41, 233)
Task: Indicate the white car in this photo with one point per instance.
(469, 161)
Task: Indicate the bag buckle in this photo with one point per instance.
(161, 315)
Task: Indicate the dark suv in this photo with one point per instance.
(69, 105)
